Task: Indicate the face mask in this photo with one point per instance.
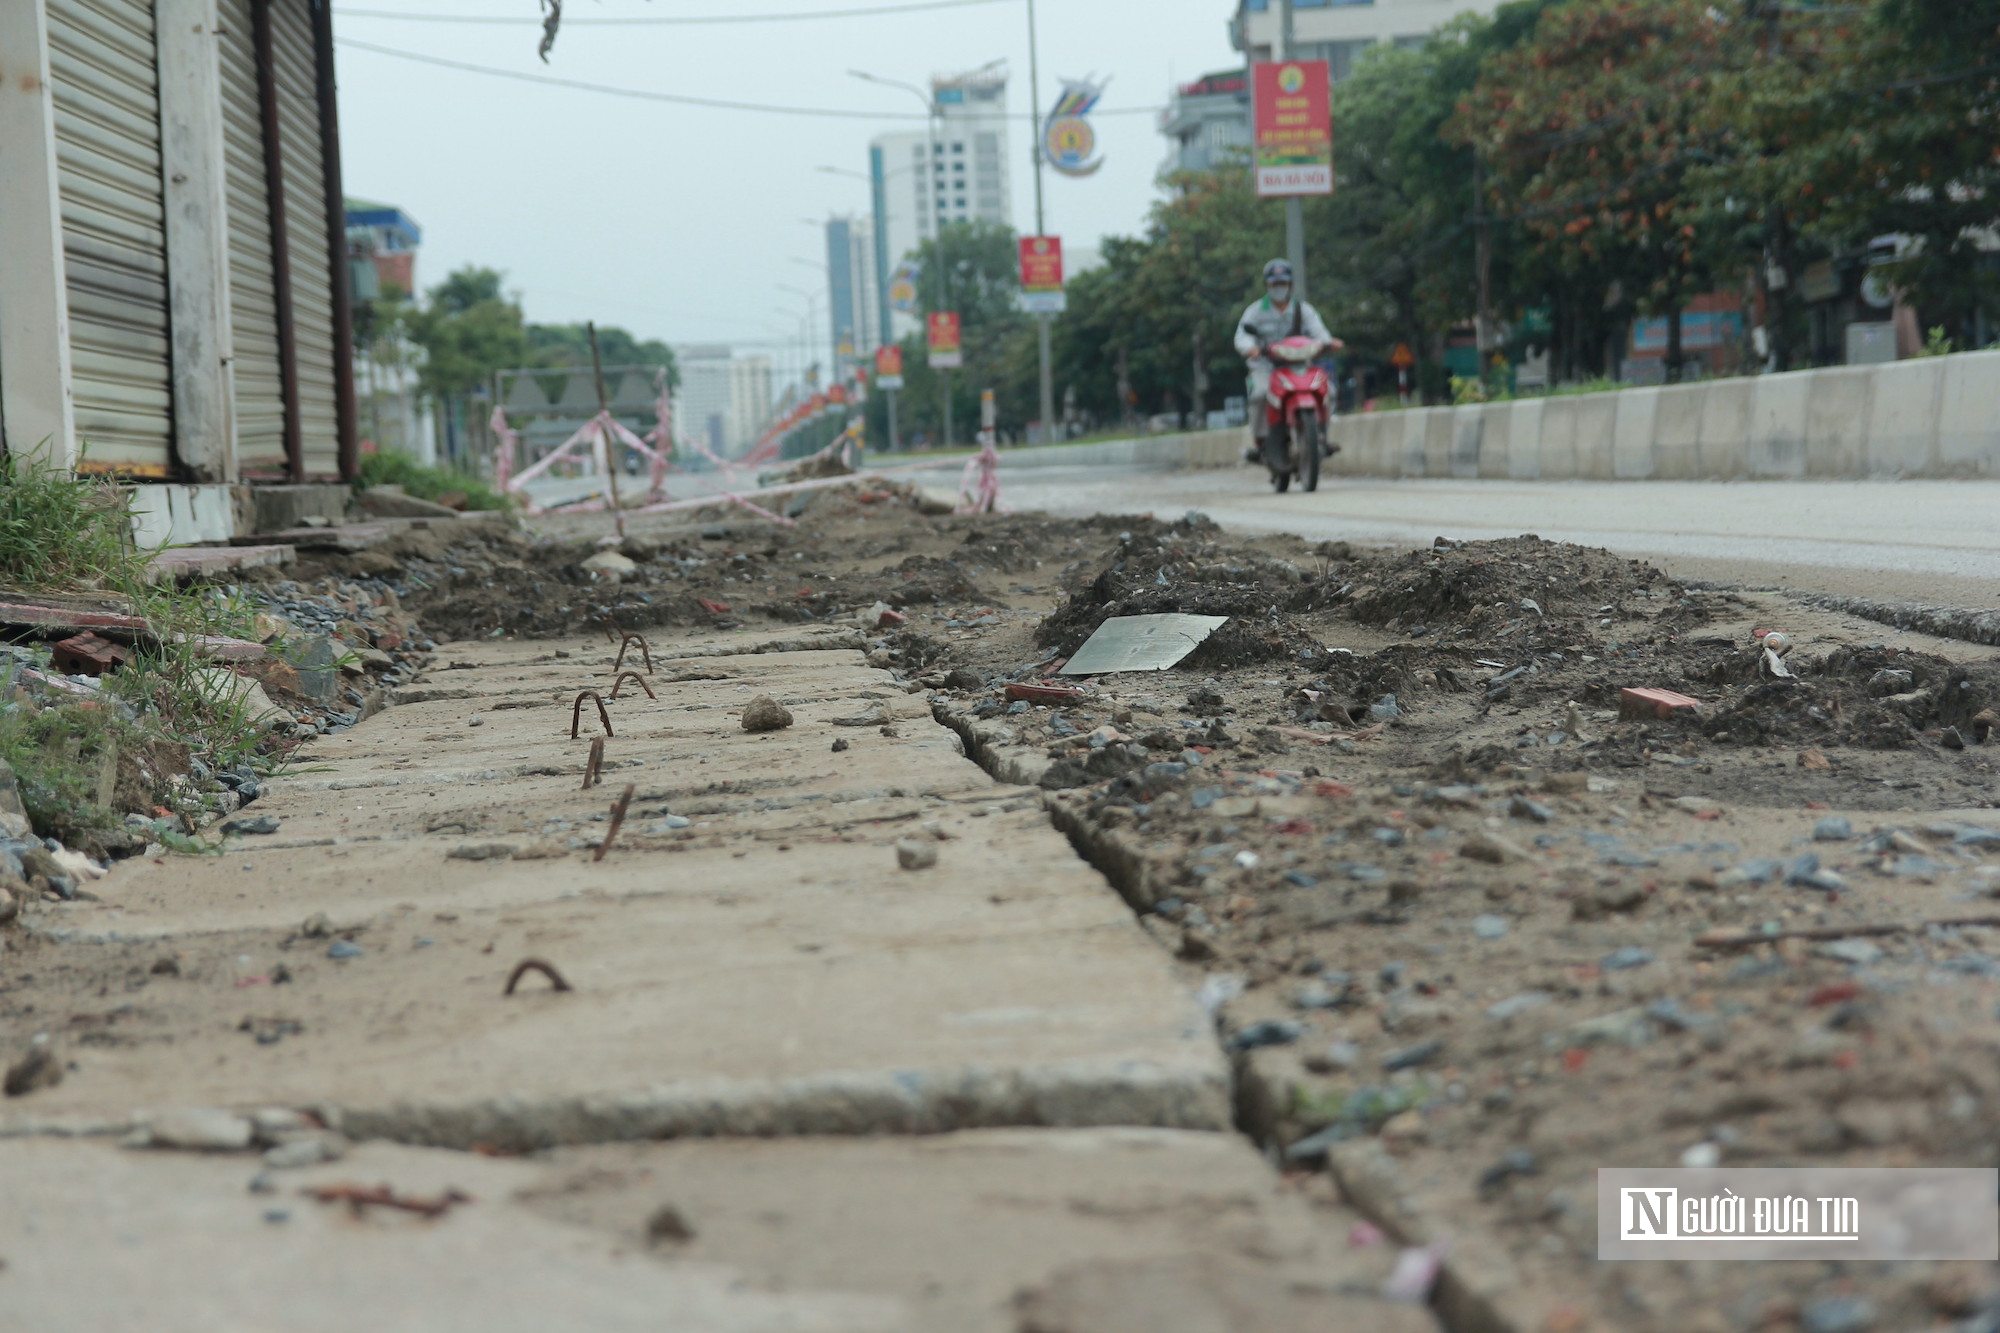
(1280, 293)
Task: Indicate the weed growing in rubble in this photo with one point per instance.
(79, 758)
(59, 533)
(436, 484)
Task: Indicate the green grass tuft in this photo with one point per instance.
(391, 468)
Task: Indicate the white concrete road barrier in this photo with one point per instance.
(1934, 417)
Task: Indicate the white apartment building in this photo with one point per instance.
(1338, 31)
(969, 180)
(724, 400)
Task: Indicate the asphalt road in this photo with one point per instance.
(1932, 541)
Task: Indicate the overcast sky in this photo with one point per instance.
(683, 222)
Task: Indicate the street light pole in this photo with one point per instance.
(932, 169)
(1048, 396)
(1295, 215)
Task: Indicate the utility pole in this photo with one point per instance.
(1048, 397)
(1483, 251)
(1295, 210)
(613, 447)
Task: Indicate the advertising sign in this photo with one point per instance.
(1042, 275)
(889, 367)
(1292, 127)
(903, 288)
(1067, 139)
(942, 332)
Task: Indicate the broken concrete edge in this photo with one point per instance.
(1475, 1287)
(1120, 865)
(1944, 622)
(1076, 1094)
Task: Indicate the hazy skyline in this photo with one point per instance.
(687, 223)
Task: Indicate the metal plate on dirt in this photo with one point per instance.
(1141, 643)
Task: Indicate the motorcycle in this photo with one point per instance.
(1297, 408)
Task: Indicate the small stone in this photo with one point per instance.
(839, 745)
(548, 849)
(1630, 956)
(610, 564)
(1316, 995)
(1697, 805)
(255, 824)
(41, 1067)
(482, 851)
(343, 949)
(1516, 1005)
(308, 1150)
(911, 855)
(1385, 709)
(1702, 1155)
(317, 927)
(764, 713)
(10, 904)
(1858, 952)
(1813, 761)
(1409, 1057)
(475, 721)
(201, 1129)
(1269, 1032)
(1833, 829)
(1523, 808)
(1488, 926)
(1492, 848)
(666, 1226)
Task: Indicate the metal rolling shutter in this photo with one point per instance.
(305, 224)
(253, 300)
(105, 87)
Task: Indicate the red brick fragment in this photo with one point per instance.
(88, 655)
(1654, 703)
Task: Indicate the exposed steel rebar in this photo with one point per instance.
(543, 966)
(644, 652)
(636, 679)
(618, 809)
(576, 712)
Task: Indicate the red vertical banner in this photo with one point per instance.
(1042, 275)
(889, 366)
(943, 340)
(1292, 129)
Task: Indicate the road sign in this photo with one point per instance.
(1402, 358)
(943, 340)
(1292, 127)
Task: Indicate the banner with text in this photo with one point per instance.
(889, 367)
(943, 341)
(1292, 101)
(1042, 275)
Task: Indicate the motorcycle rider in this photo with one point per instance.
(1275, 317)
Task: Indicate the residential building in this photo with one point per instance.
(388, 238)
(724, 400)
(174, 285)
(1207, 121)
(1338, 31)
(968, 181)
(854, 297)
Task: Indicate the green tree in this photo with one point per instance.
(973, 268)
(568, 346)
(467, 330)
(1591, 130)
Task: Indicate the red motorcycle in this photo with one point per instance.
(1297, 407)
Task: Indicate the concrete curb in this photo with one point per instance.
(1934, 417)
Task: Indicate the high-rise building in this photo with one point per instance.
(968, 180)
(1207, 121)
(854, 296)
(1338, 31)
(724, 400)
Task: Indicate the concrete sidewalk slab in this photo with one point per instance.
(767, 968)
(96, 1239)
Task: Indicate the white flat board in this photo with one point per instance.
(1140, 643)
